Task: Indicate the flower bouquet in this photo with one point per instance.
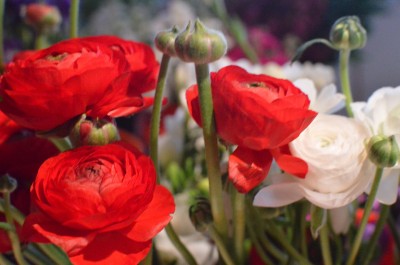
(243, 164)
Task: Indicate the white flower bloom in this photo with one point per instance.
(338, 171)
(327, 100)
(381, 113)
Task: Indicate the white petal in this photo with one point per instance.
(341, 219)
(388, 188)
(278, 195)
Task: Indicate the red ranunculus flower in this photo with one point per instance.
(100, 204)
(261, 115)
(76, 76)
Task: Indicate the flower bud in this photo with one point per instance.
(348, 34)
(165, 41)
(7, 184)
(44, 18)
(97, 132)
(383, 151)
(201, 46)
(200, 214)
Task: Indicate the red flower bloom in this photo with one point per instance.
(73, 77)
(114, 206)
(261, 115)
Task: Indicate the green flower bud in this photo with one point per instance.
(165, 41)
(383, 151)
(200, 214)
(98, 132)
(7, 184)
(348, 34)
(201, 46)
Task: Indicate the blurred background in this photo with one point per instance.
(262, 31)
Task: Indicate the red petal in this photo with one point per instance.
(192, 99)
(248, 168)
(155, 217)
(288, 163)
(112, 248)
(39, 228)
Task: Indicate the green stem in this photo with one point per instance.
(2, 3)
(15, 244)
(54, 253)
(303, 227)
(257, 244)
(16, 214)
(344, 58)
(62, 144)
(4, 260)
(394, 232)
(239, 224)
(369, 251)
(156, 113)
(211, 149)
(281, 238)
(339, 250)
(179, 245)
(41, 41)
(221, 245)
(74, 19)
(367, 211)
(325, 246)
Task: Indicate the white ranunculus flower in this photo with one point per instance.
(326, 100)
(338, 168)
(381, 113)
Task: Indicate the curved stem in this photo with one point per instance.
(303, 227)
(74, 18)
(156, 113)
(221, 246)
(15, 244)
(16, 214)
(325, 246)
(367, 211)
(369, 251)
(211, 149)
(179, 245)
(344, 57)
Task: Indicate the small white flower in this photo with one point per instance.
(338, 171)
(381, 113)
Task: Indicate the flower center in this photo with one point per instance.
(257, 84)
(58, 57)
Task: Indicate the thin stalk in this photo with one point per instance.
(179, 245)
(303, 227)
(325, 246)
(4, 260)
(156, 113)
(41, 41)
(344, 58)
(62, 144)
(239, 224)
(2, 4)
(221, 245)
(211, 149)
(367, 211)
(384, 213)
(257, 245)
(394, 232)
(74, 18)
(281, 238)
(15, 244)
(16, 214)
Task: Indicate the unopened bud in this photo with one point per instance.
(383, 151)
(97, 132)
(44, 18)
(165, 41)
(7, 184)
(348, 34)
(200, 214)
(201, 46)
